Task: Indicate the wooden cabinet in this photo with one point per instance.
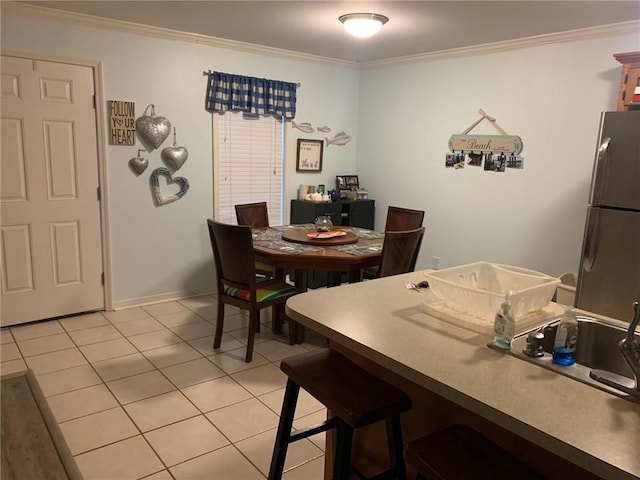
(629, 80)
(359, 213)
(354, 213)
(303, 211)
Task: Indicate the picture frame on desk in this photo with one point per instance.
(309, 155)
(347, 183)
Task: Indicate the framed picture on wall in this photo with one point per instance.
(309, 156)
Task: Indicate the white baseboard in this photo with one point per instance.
(164, 297)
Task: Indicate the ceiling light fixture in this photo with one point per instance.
(363, 25)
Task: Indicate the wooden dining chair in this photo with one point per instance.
(401, 219)
(256, 215)
(398, 219)
(237, 283)
(400, 251)
(253, 214)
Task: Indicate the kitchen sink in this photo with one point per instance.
(599, 361)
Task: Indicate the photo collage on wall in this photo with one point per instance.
(493, 162)
(495, 152)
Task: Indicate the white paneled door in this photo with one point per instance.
(51, 242)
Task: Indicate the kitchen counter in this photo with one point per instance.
(383, 322)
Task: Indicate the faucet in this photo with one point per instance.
(630, 347)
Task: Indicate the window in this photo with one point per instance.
(248, 164)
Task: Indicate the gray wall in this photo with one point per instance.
(400, 116)
(549, 95)
(160, 252)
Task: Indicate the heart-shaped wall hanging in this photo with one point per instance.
(138, 164)
(174, 157)
(152, 130)
(158, 197)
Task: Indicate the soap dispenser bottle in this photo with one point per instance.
(564, 345)
(504, 325)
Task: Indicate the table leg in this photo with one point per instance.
(355, 276)
(276, 322)
(334, 279)
(296, 331)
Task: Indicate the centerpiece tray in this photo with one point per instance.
(329, 234)
(312, 237)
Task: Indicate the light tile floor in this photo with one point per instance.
(140, 393)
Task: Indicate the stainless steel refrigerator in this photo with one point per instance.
(609, 271)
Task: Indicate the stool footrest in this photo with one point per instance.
(312, 430)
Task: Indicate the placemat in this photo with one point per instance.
(264, 235)
(299, 226)
(288, 247)
(360, 248)
(365, 233)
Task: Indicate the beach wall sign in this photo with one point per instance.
(486, 143)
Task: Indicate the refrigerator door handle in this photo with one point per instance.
(599, 172)
(591, 245)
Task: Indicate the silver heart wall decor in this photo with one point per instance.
(152, 130)
(138, 164)
(174, 157)
(158, 197)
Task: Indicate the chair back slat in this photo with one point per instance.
(400, 251)
(403, 219)
(253, 214)
(233, 253)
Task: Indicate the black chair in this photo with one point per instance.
(354, 396)
(398, 219)
(237, 283)
(400, 251)
(461, 453)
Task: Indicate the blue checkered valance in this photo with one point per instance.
(259, 96)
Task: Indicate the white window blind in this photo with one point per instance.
(248, 164)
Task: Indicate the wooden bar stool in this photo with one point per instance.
(354, 396)
(461, 453)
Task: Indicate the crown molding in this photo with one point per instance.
(45, 13)
(610, 30)
(38, 12)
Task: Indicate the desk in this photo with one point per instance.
(536, 414)
(367, 251)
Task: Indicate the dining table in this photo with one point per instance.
(299, 248)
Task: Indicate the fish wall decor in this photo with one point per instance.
(303, 127)
(340, 139)
(324, 129)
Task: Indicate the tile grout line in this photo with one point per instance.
(176, 388)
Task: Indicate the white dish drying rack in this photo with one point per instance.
(462, 318)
